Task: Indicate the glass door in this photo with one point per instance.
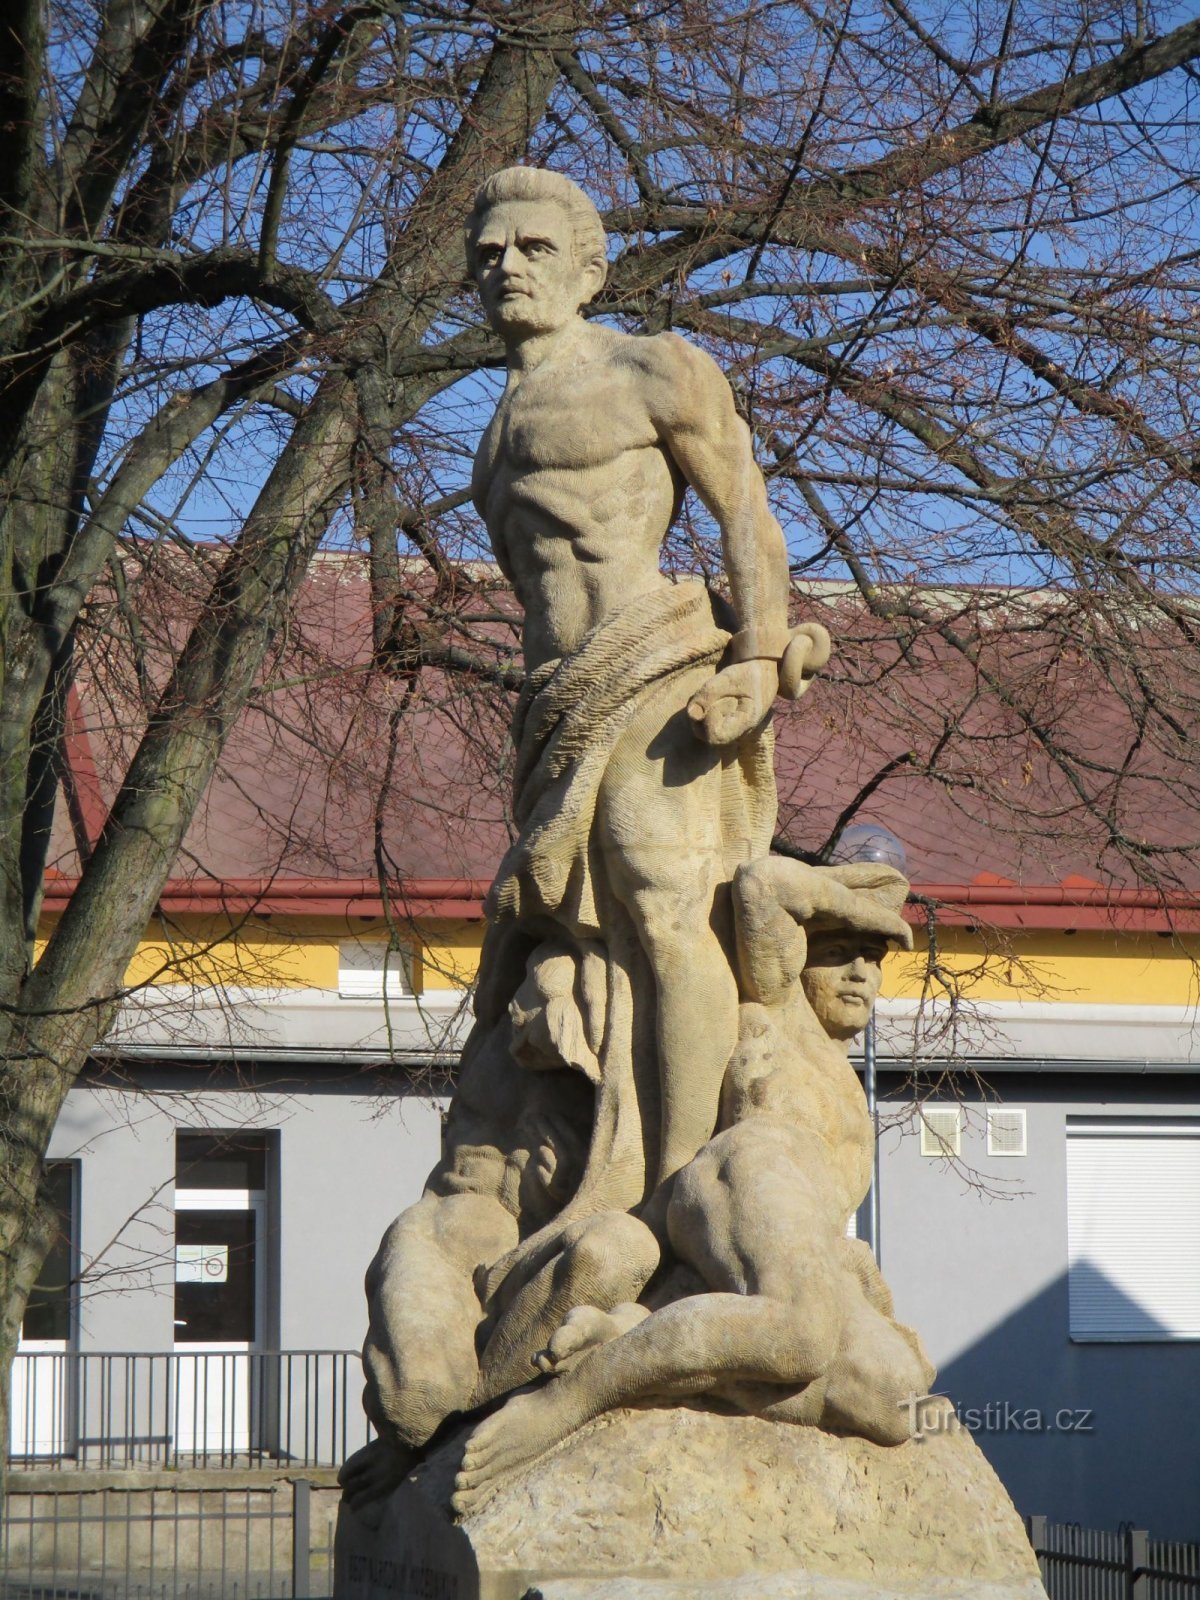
(220, 1257)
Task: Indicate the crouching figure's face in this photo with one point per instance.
(841, 979)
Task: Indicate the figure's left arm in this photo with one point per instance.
(692, 408)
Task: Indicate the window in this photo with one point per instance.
(220, 1206)
(221, 1240)
(1133, 1212)
(940, 1130)
(48, 1314)
(369, 969)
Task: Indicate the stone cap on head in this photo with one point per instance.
(877, 897)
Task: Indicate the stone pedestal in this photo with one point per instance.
(686, 1504)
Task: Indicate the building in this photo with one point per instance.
(271, 1097)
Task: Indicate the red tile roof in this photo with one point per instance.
(1013, 771)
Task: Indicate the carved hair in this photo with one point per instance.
(589, 244)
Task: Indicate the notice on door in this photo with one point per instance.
(201, 1263)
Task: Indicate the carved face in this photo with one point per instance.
(841, 979)
(525, 268)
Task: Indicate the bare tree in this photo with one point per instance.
(950, 262)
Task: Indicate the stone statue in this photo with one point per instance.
(794, 1322)
(657, 1139)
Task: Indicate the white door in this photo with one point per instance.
(40, 1412)
(219, 1283)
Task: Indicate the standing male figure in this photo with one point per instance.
(643, 781)
(643, 775)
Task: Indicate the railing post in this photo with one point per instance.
(301, 1538)
(1137, 1559)
(1037, 1530)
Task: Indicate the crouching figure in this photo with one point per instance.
(792, 1321)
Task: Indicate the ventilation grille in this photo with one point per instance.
(1005, 1132)
(940, 1130)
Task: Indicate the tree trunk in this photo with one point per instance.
(64, 1006)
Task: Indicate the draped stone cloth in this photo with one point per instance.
(567, 727)
(645, 662)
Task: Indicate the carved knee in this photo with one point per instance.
(409, 1404)
(610, 1259)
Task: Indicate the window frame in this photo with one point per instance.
(393, 980)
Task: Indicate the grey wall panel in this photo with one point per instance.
(125, 1146)
(984, 1280)
(353, 1150)
(348, 1165)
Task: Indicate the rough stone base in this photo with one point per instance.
(686, 1504)
(784, 1586)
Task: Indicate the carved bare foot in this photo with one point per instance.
(523, 1429)
(584, 1329)
(370, 1475)
(876, 1384)
(935, 1413)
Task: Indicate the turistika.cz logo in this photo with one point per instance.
(937, 1413)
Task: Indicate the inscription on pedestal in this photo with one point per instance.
(406, 1580)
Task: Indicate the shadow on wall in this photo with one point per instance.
(1097, 1432)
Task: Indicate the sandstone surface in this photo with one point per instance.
(667, 1504)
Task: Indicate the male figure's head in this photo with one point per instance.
(841, 979)
(536, 249)
(847, 942)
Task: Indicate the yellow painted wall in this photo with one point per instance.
(295, 952)
(1082, 968)
(291, 952)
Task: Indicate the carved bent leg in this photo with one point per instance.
(420, 1355)
(605, 1260)
(757, 1211)
(739, 1219)
(687, 1348)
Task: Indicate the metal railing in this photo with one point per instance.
(1092, 1564)
(168, 1543)
(219, 1409)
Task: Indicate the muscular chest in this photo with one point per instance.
(568, 420)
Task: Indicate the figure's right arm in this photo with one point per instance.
(771, 942)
